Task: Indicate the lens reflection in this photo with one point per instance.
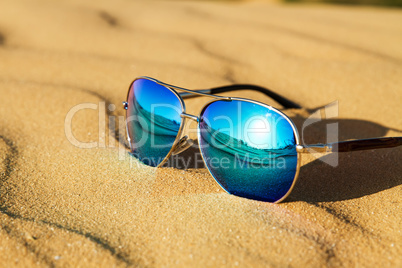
(153, 120)
(249, 149)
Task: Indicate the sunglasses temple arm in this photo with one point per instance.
(353, 145)
(286, 103)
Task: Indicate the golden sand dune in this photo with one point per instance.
(67, 206)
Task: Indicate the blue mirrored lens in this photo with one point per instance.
(153, 120)
(249, 149)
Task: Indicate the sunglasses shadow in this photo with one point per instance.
(188, 159)
(357, 174)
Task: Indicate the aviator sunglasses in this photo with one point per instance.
(250, 148)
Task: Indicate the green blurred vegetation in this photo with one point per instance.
(392, 3)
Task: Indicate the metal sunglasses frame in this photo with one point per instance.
(346, 146)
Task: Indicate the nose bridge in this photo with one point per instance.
(190, 116)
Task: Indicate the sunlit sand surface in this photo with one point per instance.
(66, 206)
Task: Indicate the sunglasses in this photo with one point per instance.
(251, 149)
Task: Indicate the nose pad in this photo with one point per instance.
(183, 145)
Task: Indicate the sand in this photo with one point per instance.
(61, 205)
